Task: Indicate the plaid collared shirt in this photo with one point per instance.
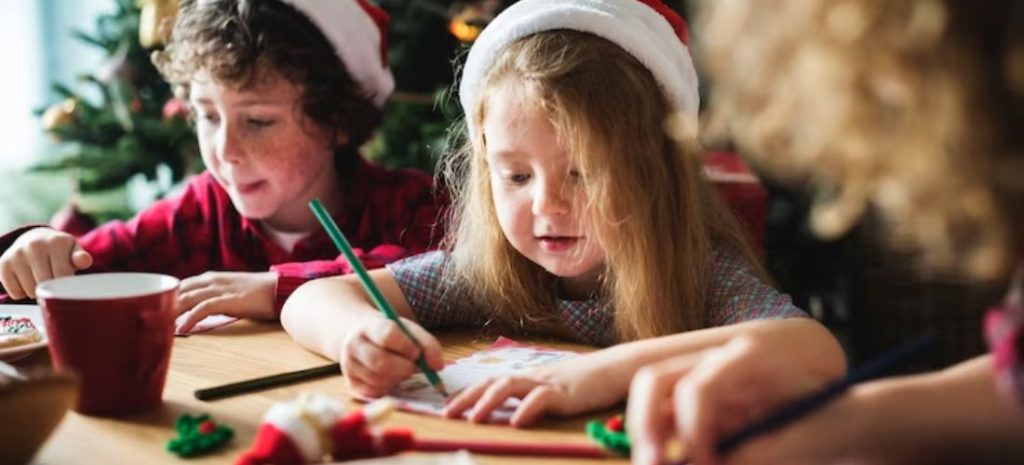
(388, 214)
(736, 295)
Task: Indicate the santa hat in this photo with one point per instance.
(315, 426)
(292, 432)
(358, 32)
(647, 29)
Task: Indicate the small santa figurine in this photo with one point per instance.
(316, 427)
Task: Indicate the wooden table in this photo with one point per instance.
(245, 350)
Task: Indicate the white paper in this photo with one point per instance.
(504, 358)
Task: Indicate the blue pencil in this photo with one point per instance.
(806, 405)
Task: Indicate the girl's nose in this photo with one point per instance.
(551, 198)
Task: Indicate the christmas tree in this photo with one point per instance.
(135, 126)
(425, 38)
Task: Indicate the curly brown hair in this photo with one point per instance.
(239, 41)
(912, 107)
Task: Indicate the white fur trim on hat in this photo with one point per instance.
(358, 39)
(630, 24)
(303, 420)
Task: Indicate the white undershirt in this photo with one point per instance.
(287, 240)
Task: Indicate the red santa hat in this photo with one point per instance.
(647, 29)
(292, 433)
(358, 31)
(315, 426)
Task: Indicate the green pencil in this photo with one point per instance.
(378, 298)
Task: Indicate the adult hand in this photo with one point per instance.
(699, 398)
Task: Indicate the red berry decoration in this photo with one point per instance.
(207, 427)
(614, 423)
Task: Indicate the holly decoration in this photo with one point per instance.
(198, 435)
(610, 435)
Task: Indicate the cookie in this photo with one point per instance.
(17, 331)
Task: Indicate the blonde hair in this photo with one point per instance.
(658, 219)
(913, 107)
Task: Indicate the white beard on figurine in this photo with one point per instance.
(315, 428)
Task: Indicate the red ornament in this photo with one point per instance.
(614, 424)
(207, 427)
(174, 108)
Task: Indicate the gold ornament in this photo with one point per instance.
(156, 19)
(60, 115)
(467, 23)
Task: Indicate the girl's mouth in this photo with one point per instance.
(557, 243)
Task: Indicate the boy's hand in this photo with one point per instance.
(377, 354)
(589, 382)
(38, 255)
(239, 294)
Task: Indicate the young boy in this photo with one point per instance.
(283, 93)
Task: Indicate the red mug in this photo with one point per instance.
(114, 330)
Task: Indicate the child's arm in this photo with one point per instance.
(601, 379)
(336, 318)
(953, 416)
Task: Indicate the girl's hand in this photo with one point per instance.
(699, 398)
(38, 255)
(587, 383)
(377, 354)
(239, 294)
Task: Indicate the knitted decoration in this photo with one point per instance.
(611, 435)
(198, 435)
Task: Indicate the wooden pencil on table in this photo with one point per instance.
(265, 382)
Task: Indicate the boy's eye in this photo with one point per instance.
(259, 123)
(205, 116)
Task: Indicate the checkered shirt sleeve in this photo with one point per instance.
(737, 294)
(434, 302)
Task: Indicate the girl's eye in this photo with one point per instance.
(518, 178)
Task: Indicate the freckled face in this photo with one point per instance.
(263, 150)
(538, 194)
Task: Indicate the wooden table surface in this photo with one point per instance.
(245, 350)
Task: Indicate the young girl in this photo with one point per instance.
(576, 214)
(912, 107)
(283, 94)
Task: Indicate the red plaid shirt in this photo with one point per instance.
(388, 214)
